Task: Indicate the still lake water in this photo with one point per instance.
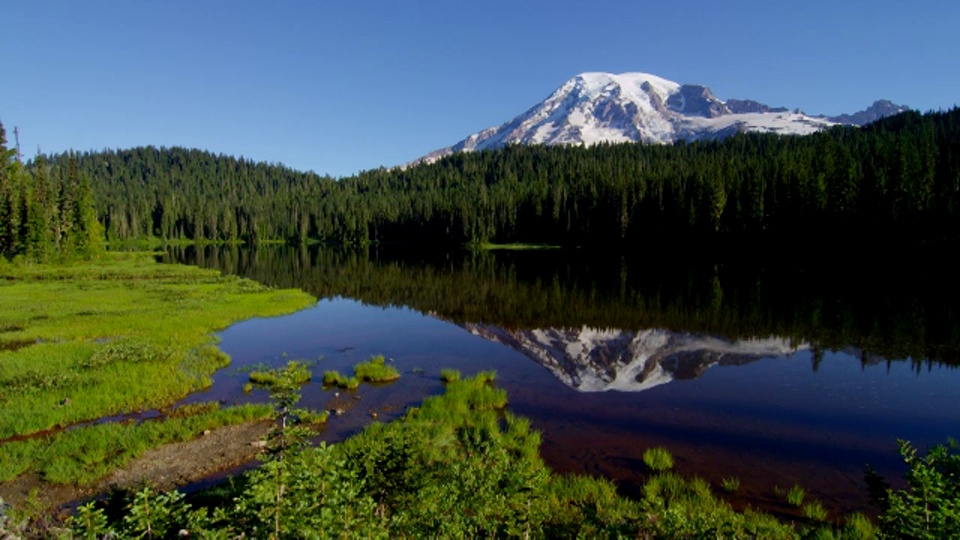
(775, 374)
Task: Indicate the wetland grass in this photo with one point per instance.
(449, 375)
(658, 459)
(730, 484)
(375, 370)
(115, 335)
(795, 495)
(82, 456)
(335, 378)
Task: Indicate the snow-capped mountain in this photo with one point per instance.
(603, 107)
(592, 360)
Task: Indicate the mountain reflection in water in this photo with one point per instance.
(834, 361)
(593, 360)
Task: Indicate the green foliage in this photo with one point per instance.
(46, 217)
(313, 492)
(658, 459)
(375, 370)
(453, 469)
(82, 456)
(295, 373)
(118, 334)
(859, 527)
(676, 508)
(449, 375)
(293, 426)
(795, 495)
(814, 510)
(895, 177)
(334, 378)
(731, 484)
(930, 506)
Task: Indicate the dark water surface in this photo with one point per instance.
(796, 372)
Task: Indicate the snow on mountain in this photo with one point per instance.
(604, 107)
(592, 360)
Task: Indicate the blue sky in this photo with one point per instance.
(337, 87)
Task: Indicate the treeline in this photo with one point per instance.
(46, 213)
(898, 177)
(182, 194)
(832, 307)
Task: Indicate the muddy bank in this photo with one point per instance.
(165, 467)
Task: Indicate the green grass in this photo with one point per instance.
(449, 375)
(455, 468)
(297, 371)
(795, 495)
(815, 511)
(335, 378)
(115, 335)
(82, 456)
(859, 527)
(731, 484)
(658, 459)
(375, 370)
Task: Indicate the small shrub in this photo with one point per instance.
(930, 505)
(247, 388)
(795, 495)
(731, 484)
(859, 527)
(815, 511)
(658, 459)
(449, 375)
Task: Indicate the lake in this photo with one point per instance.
(798, 371)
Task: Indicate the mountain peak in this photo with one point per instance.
(595, 107)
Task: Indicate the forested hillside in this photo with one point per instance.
(897, 177)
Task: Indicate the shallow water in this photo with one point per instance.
(748, 374)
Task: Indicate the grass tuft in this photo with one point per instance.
(815, 511)
(731, 484)
(375, 370)
(795, 495)
(449, 375)
(658, 459)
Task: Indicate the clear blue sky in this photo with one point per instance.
(337, 87)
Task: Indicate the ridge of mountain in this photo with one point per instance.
(599, 107)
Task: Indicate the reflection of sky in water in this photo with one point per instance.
(873, 400)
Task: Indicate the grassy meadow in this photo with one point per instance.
(118, 334)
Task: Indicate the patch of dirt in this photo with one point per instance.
(164, 468)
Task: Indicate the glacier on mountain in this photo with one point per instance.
(639, 107)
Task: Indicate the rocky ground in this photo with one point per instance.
(164, 468)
